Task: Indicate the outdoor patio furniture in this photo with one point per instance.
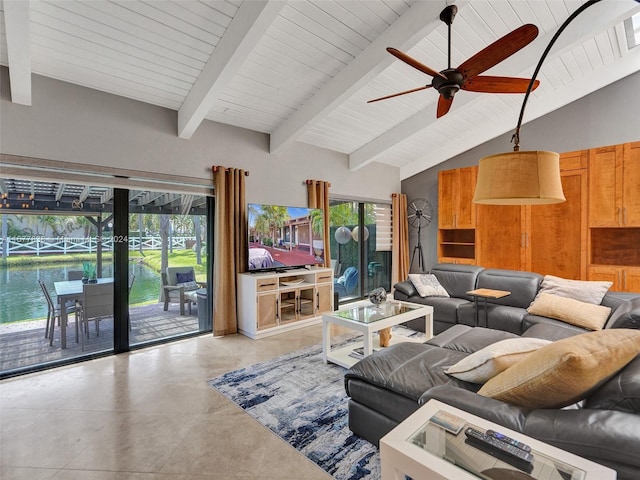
(179, 285)
(53, 313)
(97, 303)
(74, 275)
(347, 283)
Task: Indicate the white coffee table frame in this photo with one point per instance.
(340, 356)
(399, 457)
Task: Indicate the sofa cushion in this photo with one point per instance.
(522, 285)
(184, 277)
(575, 312)
(469, 340)
(457, 279)
(497, 357)
(584, 291)
(564, 371)
(500, 317)
(622, 392)
(427, 285)
(188, 286)
(627, 315)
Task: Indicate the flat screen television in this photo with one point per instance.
(283, 238)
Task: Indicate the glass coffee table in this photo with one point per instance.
(420, 449)
(366, 318)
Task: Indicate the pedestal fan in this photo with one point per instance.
(419, 214)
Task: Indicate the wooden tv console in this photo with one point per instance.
(271, 303)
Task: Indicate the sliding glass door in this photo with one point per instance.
(360, 247)
(90, 270)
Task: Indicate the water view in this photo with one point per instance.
(22, 299)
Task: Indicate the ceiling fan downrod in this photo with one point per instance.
(447, 15)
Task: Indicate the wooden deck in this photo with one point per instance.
(24, 344)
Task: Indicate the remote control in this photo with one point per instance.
(499, 449)
(509, 440)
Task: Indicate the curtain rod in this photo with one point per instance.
(215, 168)
(309, 182)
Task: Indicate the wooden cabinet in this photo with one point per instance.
(501, 236)
(549, 239)
(270, 303)
(614, 186)
(624, 279)
(556, 241)
(455, 195)
(457, 215)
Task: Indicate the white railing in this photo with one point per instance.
(35, 245)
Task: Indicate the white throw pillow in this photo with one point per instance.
(581, 290)
(427, 285)
(485, 364)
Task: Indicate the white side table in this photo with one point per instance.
(424, 451)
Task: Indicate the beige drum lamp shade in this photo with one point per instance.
(519, 178)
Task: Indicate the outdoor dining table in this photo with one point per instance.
(70, 290)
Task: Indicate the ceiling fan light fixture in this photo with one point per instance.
(519, 178)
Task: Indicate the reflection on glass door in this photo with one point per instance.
(167, 268)
(361, 261)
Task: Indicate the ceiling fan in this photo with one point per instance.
(467, 76)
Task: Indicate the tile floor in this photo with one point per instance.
(147, 415)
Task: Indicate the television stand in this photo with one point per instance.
(278, 301)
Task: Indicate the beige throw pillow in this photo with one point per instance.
(584, 291)
(427, 285)
(564, 371)
(581, 314)
(495, 358)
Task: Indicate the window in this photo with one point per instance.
(632, 29)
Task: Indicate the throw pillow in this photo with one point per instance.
(580, 314)
(565, 371)
(188, 286)
(185, 277)
(427, 285)
(584, 291)
(495, 358)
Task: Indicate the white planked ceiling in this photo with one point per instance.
(303, 70)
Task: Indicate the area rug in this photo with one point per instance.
(303, 400)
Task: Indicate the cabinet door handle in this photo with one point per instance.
(619, 215)
(277, 309)
(624, 216)
(317, 301)
(624, 280)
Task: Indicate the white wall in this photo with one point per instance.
(76, 124)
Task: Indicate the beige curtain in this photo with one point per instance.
(400, 239)
(318, 193)
(230, 246)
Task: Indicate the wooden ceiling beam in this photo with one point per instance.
(17, 27)
(405, 33)
(605, 15)
(245, 30)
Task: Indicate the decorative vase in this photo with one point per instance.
(378, 296)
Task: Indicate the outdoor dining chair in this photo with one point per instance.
(53, 313)
(97, 303)
(74, 275)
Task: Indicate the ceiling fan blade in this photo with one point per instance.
(499, 50)
(490, 84)
(400, 93)
(443, 106)
(414, 63)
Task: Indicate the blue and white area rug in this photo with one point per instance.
(302, 400)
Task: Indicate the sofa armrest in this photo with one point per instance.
(607, 435)
(509, 416)
(406, 287)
